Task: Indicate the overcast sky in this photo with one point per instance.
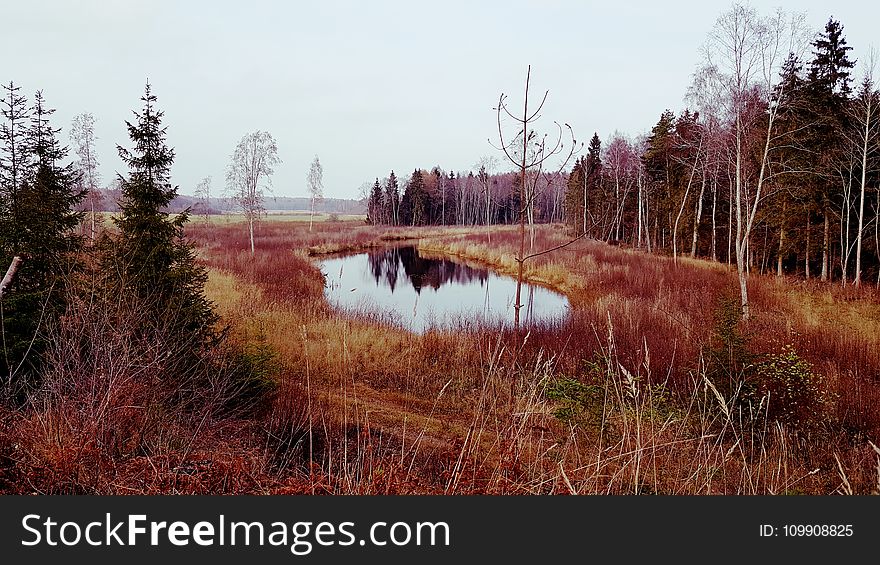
(367, 86)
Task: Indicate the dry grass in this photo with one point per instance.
(613, 400)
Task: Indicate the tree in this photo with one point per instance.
(316, 186)
(743, 55)
(252, 162)
(689, 136)
(828, 89)
(151, 255)
(529, 153)
(486, 166)
(82, 135)
(203, 194)
(864, 135)
(41, 235)
(415, 205)
(392, 200)
(14, 164)
(375, 205)
(661, 169)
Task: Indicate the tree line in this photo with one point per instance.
(774, 166)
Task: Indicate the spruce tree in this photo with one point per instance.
(14, 162)
(392, 200)
(375, 205)
(39, 225)
(574, 195)
(827, 94)
(151, 254)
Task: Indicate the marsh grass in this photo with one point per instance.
(618, 398)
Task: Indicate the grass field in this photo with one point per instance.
(650, 386)
(619, 399)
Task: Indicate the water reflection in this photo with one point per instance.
(387, 265)
(422, 292)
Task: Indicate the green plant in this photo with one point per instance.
(577, 403)
(728, 359)
(795, 395)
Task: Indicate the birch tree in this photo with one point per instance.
(744, 53)
(865, 138)
(203, 194)
(82, 136)
(249, 173)
(315, 183)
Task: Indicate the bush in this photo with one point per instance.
(577, 403)
(795, 395)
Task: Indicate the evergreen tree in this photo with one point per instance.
(828, 89)
(574, 195)
(14, 162)
(793, 213)
(152, 256)
(593, 171)
(830, 68)
(415, 205)
(392, 200)
(660, 169)
(375, 205)
(39, 226)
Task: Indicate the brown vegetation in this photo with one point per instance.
(620, 398)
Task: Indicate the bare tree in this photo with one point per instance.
(203, 194)
(743, 56)
(253, 162)
(530, 152)
(485, 167)
(316, 186)
(865, 138)
(82, 135)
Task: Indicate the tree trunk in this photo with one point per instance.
(714, 203)
(698, 215)
(867, 136)
(10, 274)
(251, 232)
(807, 251)
(730, 223)
(781, 241)
(826, 243)
(92, 218)
(311, 212)
(639, 212)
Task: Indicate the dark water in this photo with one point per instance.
(422, 292)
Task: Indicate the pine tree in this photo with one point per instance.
(828, 89)
(14, 162)
(39, 226)
(415, 205)
(574, 195)
(797, 205)
(660, 169)
(152, 255)
(392, 200)
(593, 171)
(375, 205)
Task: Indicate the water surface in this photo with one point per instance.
(421, 292)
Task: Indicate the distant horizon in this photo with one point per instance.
(366, 87)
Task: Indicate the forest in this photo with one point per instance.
(804, 141)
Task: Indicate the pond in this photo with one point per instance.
(422, 292)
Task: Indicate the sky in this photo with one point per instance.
(366, 86)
